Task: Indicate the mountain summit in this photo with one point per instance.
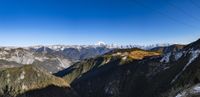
(100, 43)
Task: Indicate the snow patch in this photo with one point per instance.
(8, 78)
(61, 63)
(109, 90)
(22, 75)
(100, 43)
(124, 58)
(41, 58)
(59, 68)
(107, 61)
(178, 55)
(191, 91)
(166, 58)
(24, 87)
(165, 68)
(38, 74)
(8, 75)
(64, 63)
(193, 56)
(196, 89)
(3, 53)
(181, 94)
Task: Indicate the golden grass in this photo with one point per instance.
(139, 54)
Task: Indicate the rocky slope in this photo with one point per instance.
(30, 81)
(138, 73)
(52, 58)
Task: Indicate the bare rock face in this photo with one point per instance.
(51, 58)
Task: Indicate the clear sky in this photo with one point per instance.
(143, 22)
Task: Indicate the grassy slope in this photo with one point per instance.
(15, 81)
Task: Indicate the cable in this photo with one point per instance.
(163, 14)
(183, 11)
(198, 6)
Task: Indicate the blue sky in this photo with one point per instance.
(142, 22)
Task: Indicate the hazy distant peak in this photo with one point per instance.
(100, 43)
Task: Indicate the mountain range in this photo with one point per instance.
(100, 71)
(51, 58)
(171, 71)
(54, 58)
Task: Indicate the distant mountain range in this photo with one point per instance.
(54, 58)
(100, 71)
(51, 58)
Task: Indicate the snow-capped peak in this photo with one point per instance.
(100, 43)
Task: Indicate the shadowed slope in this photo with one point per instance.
(15, 81)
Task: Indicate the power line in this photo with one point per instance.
(165, 15)
(183, 11)
(194, 3)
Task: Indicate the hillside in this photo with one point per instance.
(137, 73)
(167, 49)
(30, 81)
(123, 56)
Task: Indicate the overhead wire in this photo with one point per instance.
(182, 10)
(194, 3)
(165, 15)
